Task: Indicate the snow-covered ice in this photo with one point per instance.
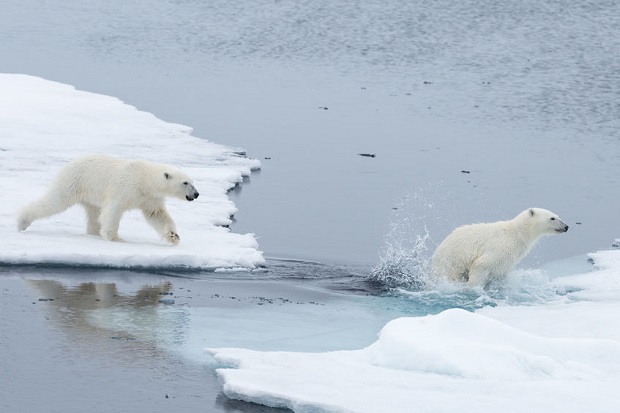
(560, 355)
(45, 124)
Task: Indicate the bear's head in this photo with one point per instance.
(179, 185)
(546, 221)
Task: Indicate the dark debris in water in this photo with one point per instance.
(260, 300)
(122, 338)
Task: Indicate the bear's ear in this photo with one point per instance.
(166, 175)
(531, 212)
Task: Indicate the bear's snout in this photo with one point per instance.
(563, 229)
(192, 196)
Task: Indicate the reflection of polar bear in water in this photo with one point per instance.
(107, 187)
(477, 252)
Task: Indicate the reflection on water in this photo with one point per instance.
(93, 313)
(104, 327)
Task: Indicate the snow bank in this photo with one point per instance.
(45, 124)
(602, 285)
(563, 355)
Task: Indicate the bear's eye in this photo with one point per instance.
(185, 183)
(552, 219)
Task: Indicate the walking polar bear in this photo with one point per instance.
(107, 187)
(475, 253)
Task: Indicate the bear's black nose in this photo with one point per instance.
(196, 195)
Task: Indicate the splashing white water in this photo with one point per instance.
(405, 258)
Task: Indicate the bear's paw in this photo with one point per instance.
(172, 237)
(22, 224)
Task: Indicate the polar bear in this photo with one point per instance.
(107, 187)
(475, 253)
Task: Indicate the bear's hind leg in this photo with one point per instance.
(110, 219)
(46, 206)
(479, 275)
(93, 227)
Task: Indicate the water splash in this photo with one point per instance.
(405, 258)
(520, 287)
(402, 265)
(524, 287)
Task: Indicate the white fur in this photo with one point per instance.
(477, 252)
(107, 187)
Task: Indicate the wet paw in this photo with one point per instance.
(172, 237)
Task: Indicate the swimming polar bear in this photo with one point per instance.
(107, 187)
(475, 253)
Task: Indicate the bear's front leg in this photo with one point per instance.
(163, 223)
